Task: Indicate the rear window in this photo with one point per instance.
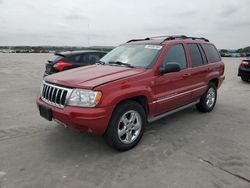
(213, 54)
(56, 58)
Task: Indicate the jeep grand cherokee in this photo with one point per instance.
(136, 83)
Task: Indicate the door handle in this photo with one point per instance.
(186, 75)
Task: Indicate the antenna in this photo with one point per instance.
(88, 35)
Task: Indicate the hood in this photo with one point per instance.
(91, 76)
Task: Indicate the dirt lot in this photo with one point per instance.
(187, 149)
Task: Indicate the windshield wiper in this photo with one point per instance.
(100, 63)
(121, 63)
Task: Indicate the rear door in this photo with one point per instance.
(172, 90)
(200, 69)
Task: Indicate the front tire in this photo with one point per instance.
(208, 99)
(126, 126)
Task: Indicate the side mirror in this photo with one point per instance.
(169, 67)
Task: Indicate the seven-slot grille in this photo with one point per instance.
(55, 95)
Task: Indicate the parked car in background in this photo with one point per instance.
(244, 70)
(136, 83)
(235, 54)
(68, 60)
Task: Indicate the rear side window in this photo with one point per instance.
(176, 54)
(195, 55)
(93, 58)
(86, 58)
(102, 54)
(75, 58)
(213, 54)
(203, 54)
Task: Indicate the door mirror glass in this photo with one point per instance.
(169, 67)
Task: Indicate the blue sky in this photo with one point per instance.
(111, 22)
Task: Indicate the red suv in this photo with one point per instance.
(135, 84)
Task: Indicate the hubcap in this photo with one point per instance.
(129, 127)
(210, 97)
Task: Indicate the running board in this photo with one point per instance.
(151, 120)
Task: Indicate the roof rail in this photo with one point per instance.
(185, 37)
(149, 38)
(173, 37)
(134, 40)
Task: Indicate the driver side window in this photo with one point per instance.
(176, 54)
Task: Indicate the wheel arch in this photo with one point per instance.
(215, 81)
(141, 99)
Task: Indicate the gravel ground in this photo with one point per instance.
(185, 150)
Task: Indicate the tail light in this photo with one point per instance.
(59, 66)
(223, 69)
(244, 63)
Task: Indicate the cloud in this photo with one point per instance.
(234, 25)
(111, 22)
(75, 16)
(229, 11)
(188, 13)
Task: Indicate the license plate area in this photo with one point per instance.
(45, 112)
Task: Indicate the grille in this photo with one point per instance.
(55, 95)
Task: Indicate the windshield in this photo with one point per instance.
(139, 56)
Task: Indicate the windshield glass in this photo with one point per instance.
(139, 56)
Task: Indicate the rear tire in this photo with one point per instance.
(208, 99)
(126, 126)
(244, 79)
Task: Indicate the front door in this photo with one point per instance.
(173, 90)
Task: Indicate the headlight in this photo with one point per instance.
(84, 98)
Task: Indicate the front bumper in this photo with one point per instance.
(92, 120)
